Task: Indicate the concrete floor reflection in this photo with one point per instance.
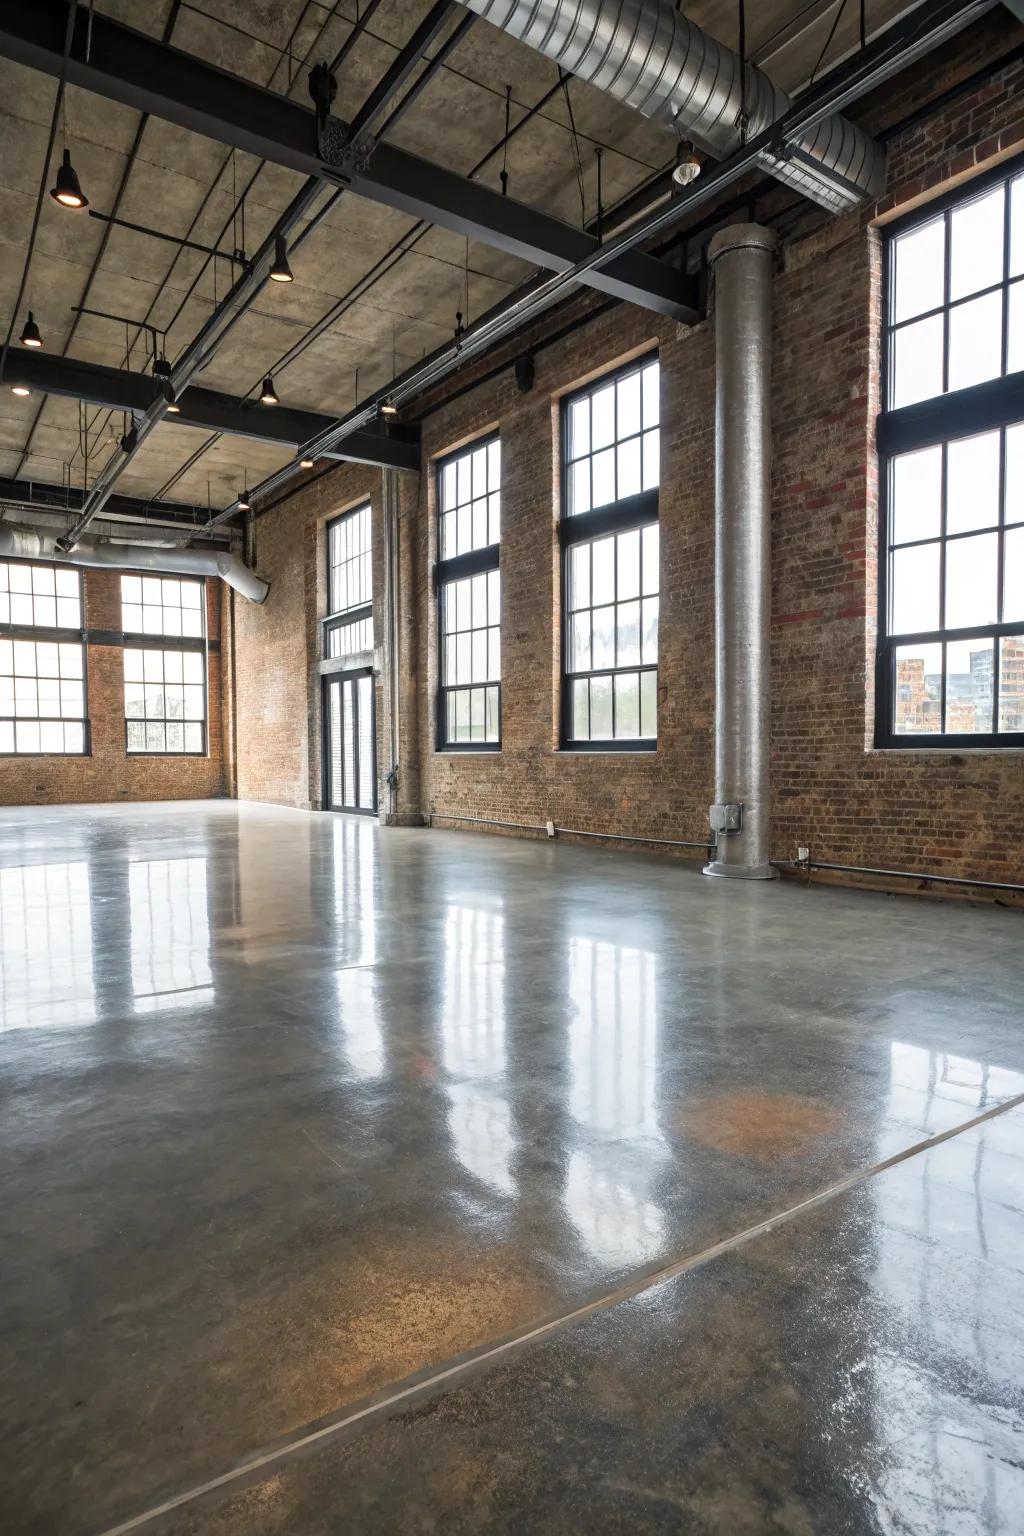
(294, 1107)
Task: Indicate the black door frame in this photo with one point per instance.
(329, 680)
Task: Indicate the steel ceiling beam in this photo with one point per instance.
(127, 66)
(34, 495)
(115, 389)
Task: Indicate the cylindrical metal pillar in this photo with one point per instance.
(742, 259)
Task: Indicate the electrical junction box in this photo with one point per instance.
(726, 818)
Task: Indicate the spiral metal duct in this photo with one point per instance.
(35, 544)
(645, 54)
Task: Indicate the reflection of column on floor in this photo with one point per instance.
(275, 875)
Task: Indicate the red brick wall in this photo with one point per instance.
(110, 773)
(960, 812)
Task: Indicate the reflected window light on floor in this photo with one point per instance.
(170, 934)
(359, 1013)
(473, 1022)
(473, 1044)
(46, 942)
(619, 1225)
(613, 1038)
(355, 910)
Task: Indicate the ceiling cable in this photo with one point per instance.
(503, 173)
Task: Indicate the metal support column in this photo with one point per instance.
(742, 259)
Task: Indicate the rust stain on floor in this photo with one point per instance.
(766, 1125)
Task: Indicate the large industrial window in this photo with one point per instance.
(348, 627)
(165, 704)
(609, 535)
(42, 661)
(469, 598)
(951, 439)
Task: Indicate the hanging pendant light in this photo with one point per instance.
(388, 408)
(281, 272)
(306, 463)
(30, 336)
(268, 394)
(67, 190)
(244, 504)
(20, 389)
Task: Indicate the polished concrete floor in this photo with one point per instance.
(421, 1181)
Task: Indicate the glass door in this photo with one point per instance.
(350, 743)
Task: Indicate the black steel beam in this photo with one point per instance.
(60, 498)
(127, 66)
(118, 390)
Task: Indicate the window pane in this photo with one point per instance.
(603, 645)
(579, 643)
(976, 244)
(971, 581)
(650, 558)
(579, 487)
(627, 706)
(1011, 683)
(649, 631)
(579, 428)
(969, 666)
(1013, 576)
(917, 496)
(1015, 324)
(628, 423)
(603, 577)
(602, 469)
(976, 341)
(919, 270)
(972, 485)
(629, 565)
(917, 362)
(628, 635)
(1015, 474)
(581, 710)
(602, 427)
(651, 449)
(648, 704)
(579, 576)
(600, 709)
(1017, 227)
(915, 589)
(629, 482)
(918, 690)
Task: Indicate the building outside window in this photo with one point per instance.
(951, 443)
(610, 564)
(469, 598)
(348, 627)
(165, 697)
(42, 661)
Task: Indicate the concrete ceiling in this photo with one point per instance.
(185, 185)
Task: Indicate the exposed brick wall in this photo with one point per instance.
(959, 811)
(110, 773)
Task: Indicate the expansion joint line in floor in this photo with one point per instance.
(361, 1416)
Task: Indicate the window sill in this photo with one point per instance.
(612, 751)
(457, 752)
(913, 751)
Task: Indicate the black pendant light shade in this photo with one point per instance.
(30, 336)
(268, 394)
(67, 190)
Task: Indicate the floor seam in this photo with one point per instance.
(425, 1384)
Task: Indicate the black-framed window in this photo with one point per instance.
(348, 627)
(164, 700)
(163, 605)
(610, 562)
(469, 598)
(43, 709)
(951, 439)
(165, 697)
